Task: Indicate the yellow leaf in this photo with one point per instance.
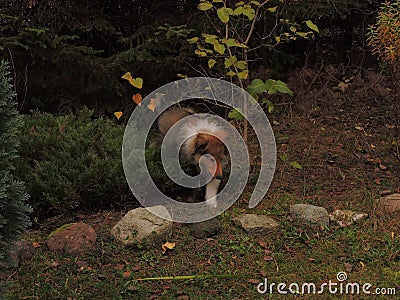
(127, 76)
(167, 245)
(118, 114)
(152, 104)
(137, 98)
(136, 82)
(243, 74)
(211, 63)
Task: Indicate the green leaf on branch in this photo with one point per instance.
(220, 48)
(205, 6)
(211, 63)
(231, 73)
(200, 53)
(235, 114)
(223, 14)
(257, 86)
(243, 74)
(282, 87)
(193, 40)
(312, 26)
(272, 9)
(249, 12)
(255, 3)
(233, 43)
(241, 64)
(270, 105)
(210, 38)
(217, 1)
(238, 11)
(229, 61)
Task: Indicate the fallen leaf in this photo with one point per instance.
(310, 259)
(348, 267)
(253, 281)
(137, 267)
(118, 114)
(32, 130)
(81, 263)
(35, 245)
(268, 258)
(362, 266)
(263, 244)
(378, 181)
(137, 98)
(167, 245)
(126, 274)
(287, 249)
(119, 267)
(54, 264)
(152, 104)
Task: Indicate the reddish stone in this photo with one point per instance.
(74, 239)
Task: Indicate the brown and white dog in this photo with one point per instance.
(201, 136)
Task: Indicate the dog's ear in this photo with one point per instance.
(201, 143)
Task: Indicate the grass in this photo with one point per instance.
(341, 169)
(228, 266)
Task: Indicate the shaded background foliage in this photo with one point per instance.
(67, 54)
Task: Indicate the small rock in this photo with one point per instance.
(389, 204)
(255, 224)
(346, 218)
(206, 229)
(72, 238)
(22, 250)
(309, 213)
(140, 226)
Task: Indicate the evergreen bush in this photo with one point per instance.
(13, 208)
(72, 162)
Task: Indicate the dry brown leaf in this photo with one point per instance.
(152, 104)
(137, 98)
(119, 267)
(126, 274)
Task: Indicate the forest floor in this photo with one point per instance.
(348, 150)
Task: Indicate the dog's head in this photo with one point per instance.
(213, 145)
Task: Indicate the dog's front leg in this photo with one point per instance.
(212, 191)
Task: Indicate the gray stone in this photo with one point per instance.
(140, 227)
(309, 213)
(345, 218)
(389, 204)
(21, 251)
(254, 224)
(73, 239)
(206, 229)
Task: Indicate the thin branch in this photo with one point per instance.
(253, 24)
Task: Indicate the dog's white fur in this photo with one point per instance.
(192, 131)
